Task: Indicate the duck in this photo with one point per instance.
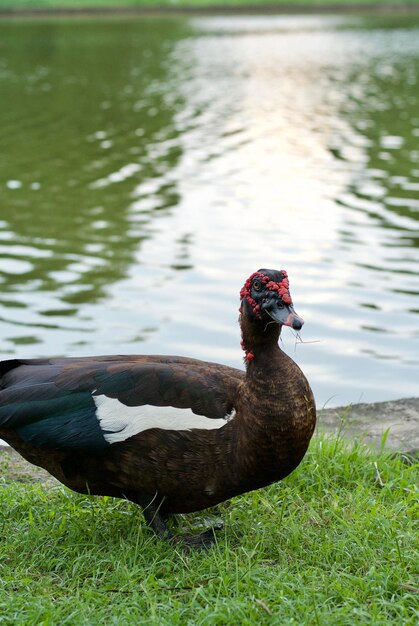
(172, 434)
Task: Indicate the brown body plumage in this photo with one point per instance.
(270, 407)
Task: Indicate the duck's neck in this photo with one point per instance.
(276, 388)
(259, 341)
(277, 411)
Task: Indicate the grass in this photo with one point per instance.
(65, 4)
(335, 543)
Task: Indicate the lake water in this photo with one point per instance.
(148, 166)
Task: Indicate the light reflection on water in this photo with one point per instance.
(139, 189)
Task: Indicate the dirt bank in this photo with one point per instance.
(371, 421)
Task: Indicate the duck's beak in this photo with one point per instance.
(284, 314)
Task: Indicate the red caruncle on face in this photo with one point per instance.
(281, 287)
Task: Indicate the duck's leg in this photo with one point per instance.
(151, 514)
(157, 522)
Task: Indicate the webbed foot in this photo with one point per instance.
(203, 541)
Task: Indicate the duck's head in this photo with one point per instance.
(265, 298)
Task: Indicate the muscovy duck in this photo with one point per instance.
(171, 434)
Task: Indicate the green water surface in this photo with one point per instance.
(148, 166)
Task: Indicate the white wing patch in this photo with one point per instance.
(119, 421)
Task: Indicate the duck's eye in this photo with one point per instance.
(257, 285)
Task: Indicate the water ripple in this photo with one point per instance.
(140, 188)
